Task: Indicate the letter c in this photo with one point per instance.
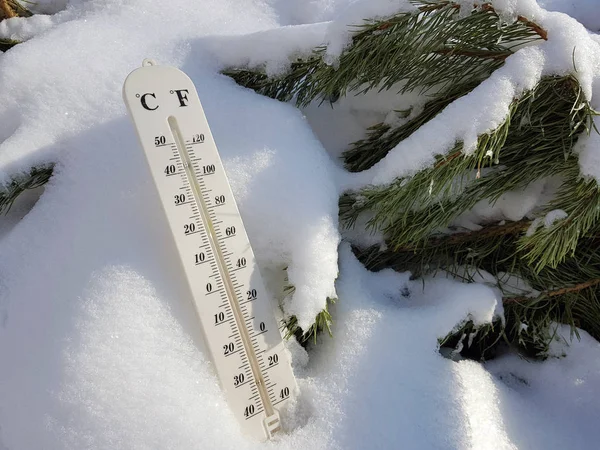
(145, 105)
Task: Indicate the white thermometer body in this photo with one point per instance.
(239, 328)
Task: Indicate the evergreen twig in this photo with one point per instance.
(543, 124)
(431, 48)
(382, 137)
(38, 176)
(567, 294)
(322, 322)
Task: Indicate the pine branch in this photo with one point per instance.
(382, 138)
(38, 176)
(562, 291)
(493, 248)
(445, 252)
(430, 48)
(530, 324)
(567, 294)
(539, 30)
(535, 141)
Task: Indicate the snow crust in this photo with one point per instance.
(99, 346)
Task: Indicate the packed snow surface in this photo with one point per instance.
(99, 345)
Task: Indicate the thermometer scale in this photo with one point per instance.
(229, 296)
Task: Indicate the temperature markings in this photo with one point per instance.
(227, 355)
(258, 334)
(241, 384)
(272, 366)
(255, 346)
(221, 323)
(258, 411)
(227, 309)
(214, 291)
(280, 401)
(247, 301)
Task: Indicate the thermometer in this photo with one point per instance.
(229, 296)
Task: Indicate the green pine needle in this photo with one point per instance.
(580, 199)
(323, 322)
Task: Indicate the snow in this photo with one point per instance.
(553, 216)
(273, 48)
(99, 346)
(585, 11)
